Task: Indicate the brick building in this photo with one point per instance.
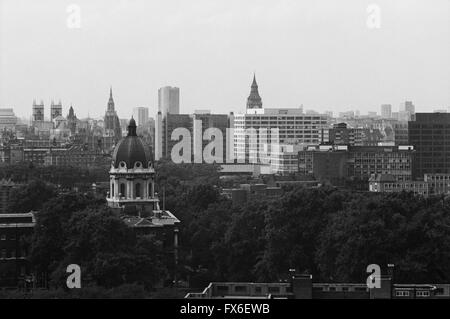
(14, 267)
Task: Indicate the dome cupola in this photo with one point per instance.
(131, 152)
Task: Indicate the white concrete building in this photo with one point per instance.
(259, 127)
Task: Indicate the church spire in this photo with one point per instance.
(111, 100)
(254, 100)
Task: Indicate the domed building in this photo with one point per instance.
(132, 183)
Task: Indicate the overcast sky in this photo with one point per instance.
(319, 53)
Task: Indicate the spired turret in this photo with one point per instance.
(254, 100)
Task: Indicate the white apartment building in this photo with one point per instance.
(294, 128)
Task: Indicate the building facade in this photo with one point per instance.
(430, 135)
(55, 110)
(76, 156)
(328, 162)
(303, 287)
(197, 125)
(287, 126)
(8, 119)
(140, 114)
(386, 111)
(15, 232)
(341, 134)
(38, 111)
(384, 183)
(169, 100)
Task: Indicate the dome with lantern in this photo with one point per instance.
(131, 152)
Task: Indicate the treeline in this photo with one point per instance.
(63, 176)
(330, 233)
(77, 228)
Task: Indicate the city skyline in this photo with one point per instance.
(48, 108)
(300, 52)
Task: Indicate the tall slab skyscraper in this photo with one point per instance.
(168, 103)
(140, 115)
(169, 100)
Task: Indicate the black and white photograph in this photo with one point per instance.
(226, 156)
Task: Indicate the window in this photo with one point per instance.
(138, 190)
(112, 189)
(274, 289)
(3, 253)
(3, 237)
(240, 288)
(402, 293)
(122, 190)
(423, 293)
(439, 291)
(222, 289)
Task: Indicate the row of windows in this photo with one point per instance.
(123, 190)
(275, 118)
(3, 237)
(5, 253)
(405, 186)
(257, 289)
(405, 293)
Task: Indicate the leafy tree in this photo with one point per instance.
(30, 197)
(51, 228)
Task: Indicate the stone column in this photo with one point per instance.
(144, 190)
(129, 189)
(153, 188)
(116, 188)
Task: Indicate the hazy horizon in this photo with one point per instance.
(319, 54)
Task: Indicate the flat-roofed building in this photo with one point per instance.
(8, 119)
(14, 230)
(430, 135)
(438, 183)
(291, 126)
(334, 162)
(384, 183)
(303, 287)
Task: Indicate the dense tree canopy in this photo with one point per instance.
(331, 233)
(62, 176)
